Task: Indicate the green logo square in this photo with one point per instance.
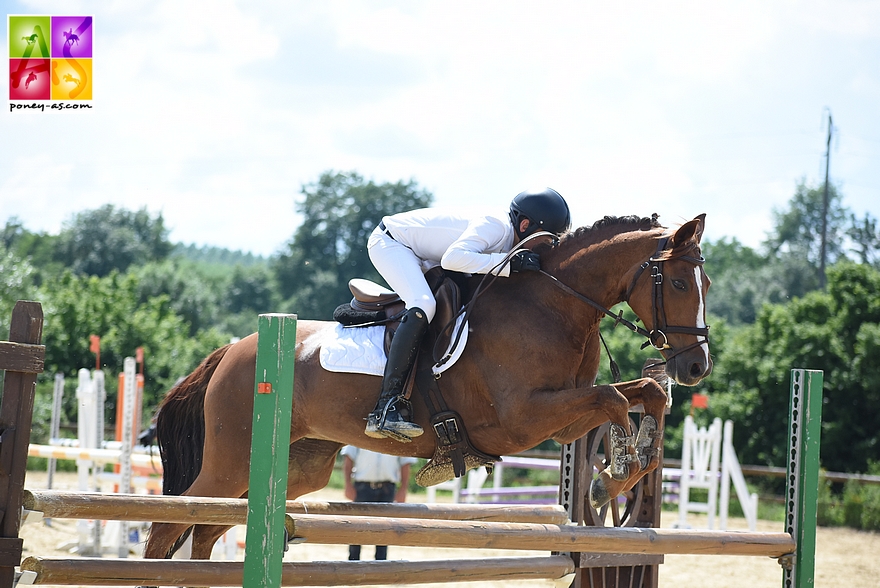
(29, 37)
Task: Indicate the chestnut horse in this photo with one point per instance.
(527, 374)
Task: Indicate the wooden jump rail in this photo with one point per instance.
(108, 572)
(233, 511)
(343, 528)
(337, 530)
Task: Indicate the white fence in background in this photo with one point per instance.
(708, 461)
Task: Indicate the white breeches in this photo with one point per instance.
(403, 271)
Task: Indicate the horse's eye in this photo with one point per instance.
(679, 284)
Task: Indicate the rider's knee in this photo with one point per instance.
(427, 304)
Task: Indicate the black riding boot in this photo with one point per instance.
(392, 416)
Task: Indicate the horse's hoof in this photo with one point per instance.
(620, 459)
(645, 440)
(599, 495)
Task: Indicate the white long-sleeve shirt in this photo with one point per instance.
(454, 240)
(369, 466)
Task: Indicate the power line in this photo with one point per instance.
(825, 204)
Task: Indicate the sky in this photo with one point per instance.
(216, 114)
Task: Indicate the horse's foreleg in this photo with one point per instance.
(631, 454)
(651, 395)
(646, 442)
(590, 408)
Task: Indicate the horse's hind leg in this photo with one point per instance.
(310, 465)
(163, 540)
(204, 538)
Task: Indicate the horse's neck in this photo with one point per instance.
(602, 271)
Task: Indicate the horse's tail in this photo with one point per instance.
(180, 426)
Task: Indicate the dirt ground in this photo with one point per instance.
(844, 558)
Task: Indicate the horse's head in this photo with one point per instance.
(668, 293)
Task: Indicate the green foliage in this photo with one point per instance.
(835, 331)
(866, 239)
(79, 306)
(192, 293)
(744, 280)
(216, 256)
(340, 211)
(250, 289)
(857, 506)
(37, 250)
(15, 284)
(97, 242)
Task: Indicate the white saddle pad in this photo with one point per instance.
(360, 350)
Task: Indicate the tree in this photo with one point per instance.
(16, 282)
(797, 234)
(192, 294)
(742, 281)
(250, 290)
(866, 239)
(96, 242)
(340, 211)
(38, 249)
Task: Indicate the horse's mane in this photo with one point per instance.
(607, 227)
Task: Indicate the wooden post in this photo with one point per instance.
(802, 488)
(270, 442)
(22, 358)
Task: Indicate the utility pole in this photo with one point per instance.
(824, 250)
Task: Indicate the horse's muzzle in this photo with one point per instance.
(688, 369)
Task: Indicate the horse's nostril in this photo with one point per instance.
(697, 370)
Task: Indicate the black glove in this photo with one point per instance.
(525, 261)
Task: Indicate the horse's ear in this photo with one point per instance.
(690, 231)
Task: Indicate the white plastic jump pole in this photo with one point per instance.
(89, 534)
(128, 407)
(55, 426)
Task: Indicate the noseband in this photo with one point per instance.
(657, 335)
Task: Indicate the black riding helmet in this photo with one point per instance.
(547, 210)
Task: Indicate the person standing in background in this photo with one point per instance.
(374, 477)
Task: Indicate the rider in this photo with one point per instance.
(406, 245)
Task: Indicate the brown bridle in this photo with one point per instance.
(657, 336)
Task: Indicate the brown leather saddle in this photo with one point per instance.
(373, 305)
